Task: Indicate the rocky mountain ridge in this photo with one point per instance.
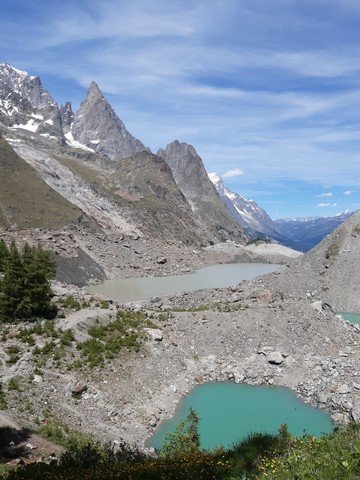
(26, 105)
(94, 162)
(191, 177)
(94, 141)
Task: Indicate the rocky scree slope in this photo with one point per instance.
(317, 356)
(191, 177)
(329, 272)
(26, 201)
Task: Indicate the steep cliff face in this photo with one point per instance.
(97, 127)
(154, 199)
(25, 105)
(191, 177)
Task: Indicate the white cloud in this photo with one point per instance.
(347, 192)
(163, 71)
(327, 194)
(233, 173)
(327, 204)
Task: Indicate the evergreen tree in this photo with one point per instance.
(12, 285)
(39, 269)
(185, 439)
(25, 289)
(4, 252)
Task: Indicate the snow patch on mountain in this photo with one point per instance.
(73, 143)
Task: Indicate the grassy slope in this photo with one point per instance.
(26, 201)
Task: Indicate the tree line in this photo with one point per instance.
(25, 288)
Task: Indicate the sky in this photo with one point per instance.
(267, 91)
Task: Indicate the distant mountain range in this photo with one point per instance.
(298, 233)
(90, 165)
(309, 231)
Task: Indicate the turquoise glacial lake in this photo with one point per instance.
(215, 276)
(351, 317)
(229, 412)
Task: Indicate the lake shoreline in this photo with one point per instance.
(142, 289)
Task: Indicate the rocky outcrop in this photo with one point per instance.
(25, 105)
(191, 177)
(97, 127)
(67, 117)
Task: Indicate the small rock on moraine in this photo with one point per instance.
(275, 358)
(343, 389)
(154, 333)
(79, 388)
(235, 297)
(161, 261)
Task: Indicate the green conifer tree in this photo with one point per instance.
(12, 285)
(39, 269)
(185, 439)
(25, 289)
(4, 252)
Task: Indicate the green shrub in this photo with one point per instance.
(259, 457)
(14, 384)
(71, 303)
(67, 337)
(3, 404)
(109, 339)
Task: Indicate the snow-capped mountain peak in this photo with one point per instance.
(26, 105)
(244, 211)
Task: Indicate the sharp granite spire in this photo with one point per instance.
(67, 116)
(97, 126)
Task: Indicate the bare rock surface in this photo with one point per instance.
(97, 126)
(191, 177)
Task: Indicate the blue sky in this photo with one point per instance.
(267, 91)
